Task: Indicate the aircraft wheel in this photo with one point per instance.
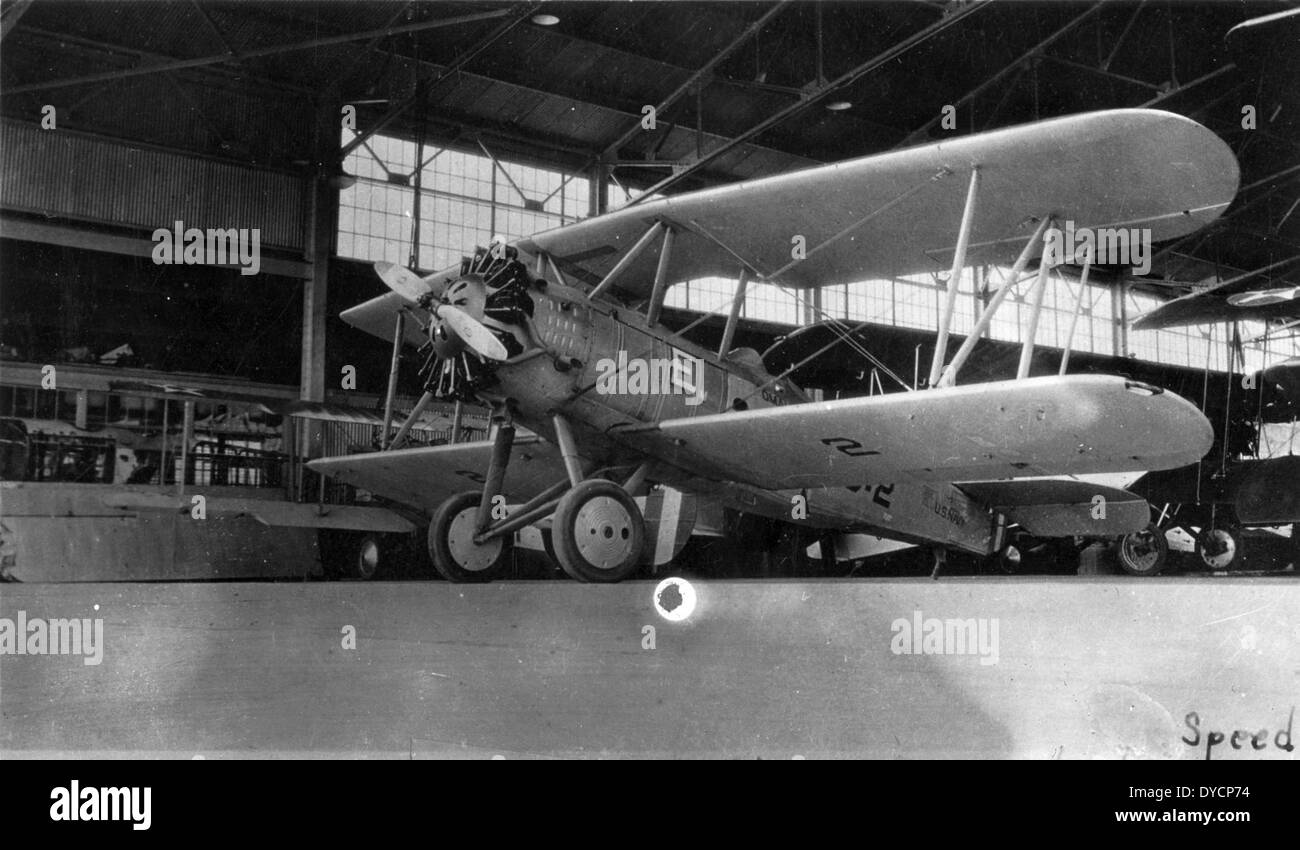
(455, 555)
(1220, 548)
(1009, 561)
(369, 558)
(598, 532)
(1143, 553)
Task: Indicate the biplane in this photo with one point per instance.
(530, 329)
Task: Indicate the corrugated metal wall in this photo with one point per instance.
(81, 177)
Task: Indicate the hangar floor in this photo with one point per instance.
(1091, 667)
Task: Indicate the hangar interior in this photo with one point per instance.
(346, 133)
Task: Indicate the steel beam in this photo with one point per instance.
(919, 134)
(178, 64)
(889, 55)
(612, 148)
(462, 59)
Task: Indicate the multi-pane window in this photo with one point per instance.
(465, 200)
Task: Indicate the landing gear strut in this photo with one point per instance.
(597, 531)
(451, 542)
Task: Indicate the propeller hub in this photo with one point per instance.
(468, 295)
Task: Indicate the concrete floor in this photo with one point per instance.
(1085, 667)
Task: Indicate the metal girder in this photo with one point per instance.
(920, 133)
(90, 44)
(1102, 72)
(750, 31)
(818, 93)
(11, 14)
(178, 64)
(462, 59)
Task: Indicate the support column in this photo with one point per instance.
(322, 204)
(598, 191)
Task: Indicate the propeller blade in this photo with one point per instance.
(472, 332)
(402, 280)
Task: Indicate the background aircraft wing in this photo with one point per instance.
(425, 477)
(1129, 167)
(1077, 424)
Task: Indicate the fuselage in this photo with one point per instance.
(613, 376)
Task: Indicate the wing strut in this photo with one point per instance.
(1078, 308)
(959, 359)
(1035, 310)
(954, 277)
(628, 258)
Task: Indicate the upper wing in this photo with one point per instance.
(1076, 424)
(1127, 167)
(426, 477)
(1131, 167)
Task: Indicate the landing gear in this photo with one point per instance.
(1220, 548)
(1009, 560)
(451, 542)
(598, 532)
(369, 558)
(1143, 553)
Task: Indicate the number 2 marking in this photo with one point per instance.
(852, 448)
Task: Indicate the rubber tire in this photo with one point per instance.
(440, 551)
(369, 558)
(1008, 562)
(1238, 547)
(1136, 569)
(564, 533)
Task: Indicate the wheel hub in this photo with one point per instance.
(603, 532)
(471, 556)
